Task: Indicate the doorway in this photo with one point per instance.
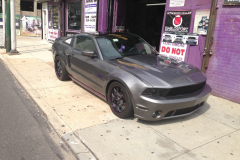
(141, 17)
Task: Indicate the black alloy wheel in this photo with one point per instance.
(60, 69)
(119, 100)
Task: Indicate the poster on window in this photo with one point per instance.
(175, 51)
(53, 34)
(231, 2)
(90, 18)
(176, 3)
(201, 22)
(30, 26)
(189, 38)
(178, 21)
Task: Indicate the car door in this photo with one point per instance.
(65, 49)
(83, 67)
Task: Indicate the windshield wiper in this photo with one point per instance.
(116, 58)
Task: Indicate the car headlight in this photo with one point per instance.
(153, 91)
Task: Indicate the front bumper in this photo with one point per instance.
(171, 107)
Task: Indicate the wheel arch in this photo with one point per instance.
(124, 84)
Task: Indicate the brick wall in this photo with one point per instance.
(224, 66)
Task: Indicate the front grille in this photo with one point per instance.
(183, 90)
(183, 111)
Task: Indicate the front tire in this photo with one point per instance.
(119, 100)
(60, 69)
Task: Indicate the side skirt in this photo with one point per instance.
(88, 88)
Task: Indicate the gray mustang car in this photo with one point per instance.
(130, 75)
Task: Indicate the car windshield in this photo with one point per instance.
(191, 37)
(122, 45)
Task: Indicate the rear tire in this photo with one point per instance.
(60, 69)
(119, 100)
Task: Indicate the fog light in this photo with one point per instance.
(157, 114)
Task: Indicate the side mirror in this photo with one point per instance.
(89, 54)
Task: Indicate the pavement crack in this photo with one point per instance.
(205, 144)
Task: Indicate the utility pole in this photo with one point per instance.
(8, 38)
(13, 27)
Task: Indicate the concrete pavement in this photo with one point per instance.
(24, 133)
(87, 124)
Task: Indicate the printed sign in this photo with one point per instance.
(173, 50)
(190, 39)
(90, 18)
(231, 2)
(201, 22)
(120, 29)
(176, 3)
(177, 21)
(53, 34)
(31, 26)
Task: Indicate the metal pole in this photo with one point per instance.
(13, 27)
(8, 38)
(4, 22)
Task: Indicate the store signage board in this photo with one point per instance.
(187, 38)
(53, 34)
(231, 2)
(201, 22)
(176, 3)
(90, 18)
(178, 21)
(173, 50)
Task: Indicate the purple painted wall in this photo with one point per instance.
(194, 53)
(102, 16)
(224, 69)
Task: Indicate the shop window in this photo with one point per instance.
(1, 10)
(27, 6)
(39, 5)
(74, 15)
(53, 17)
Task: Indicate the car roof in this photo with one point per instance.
(108, 34)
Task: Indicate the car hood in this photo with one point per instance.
(160, 71)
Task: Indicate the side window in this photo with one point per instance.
(84, 44)
(68, 41)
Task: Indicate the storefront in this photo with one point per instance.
(54, 20)
(153, 19)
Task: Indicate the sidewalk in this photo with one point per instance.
(88, 126)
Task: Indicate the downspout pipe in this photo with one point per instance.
(4, 22)
(110, 15)
(8, 33)
(13, 27)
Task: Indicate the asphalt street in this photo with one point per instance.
(24, 132)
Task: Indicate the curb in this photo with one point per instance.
(66, 134)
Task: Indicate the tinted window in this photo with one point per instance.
(84, 44)
(118, 45)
